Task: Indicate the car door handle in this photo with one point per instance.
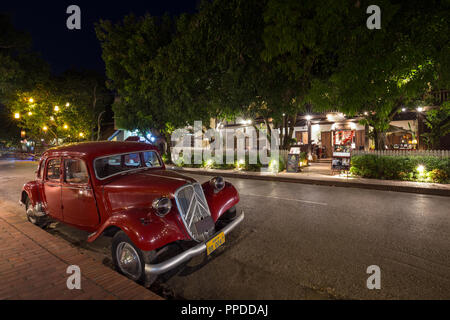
(52, 185)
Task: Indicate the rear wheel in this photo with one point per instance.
(38, 221)
(130, 260)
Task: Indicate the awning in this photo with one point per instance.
(395, 129)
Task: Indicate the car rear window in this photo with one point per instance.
(115, 164)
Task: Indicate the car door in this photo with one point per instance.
(52, 188)
(79, 205)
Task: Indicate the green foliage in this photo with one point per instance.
(439, 176)
(79, 97)
(438, 122)
(20, 68)
(401, 168)
(303, 156)
(277, 165)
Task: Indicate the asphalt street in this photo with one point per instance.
(303, 242)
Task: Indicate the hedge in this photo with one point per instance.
(402, 168)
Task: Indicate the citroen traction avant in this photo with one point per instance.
(158, 219)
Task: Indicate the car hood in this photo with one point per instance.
(138, 189)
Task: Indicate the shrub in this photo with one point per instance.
(401, 167)
(277, 165)
(439, 176)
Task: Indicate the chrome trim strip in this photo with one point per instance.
(190, 253)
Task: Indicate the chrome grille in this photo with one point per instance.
(193, 208)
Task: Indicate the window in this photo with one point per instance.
(151, 159)
(41, 170)
(111, 165)
(132, 160)
(53, 169)
(75, 171)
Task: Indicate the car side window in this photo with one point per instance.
(75, 171)
(151, 159)
(53, 169)
(41, 169)
(132, 160)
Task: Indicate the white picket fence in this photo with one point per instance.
(432, 153)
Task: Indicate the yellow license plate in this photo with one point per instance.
(215, 242)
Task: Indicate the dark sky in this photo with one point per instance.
(63, 48)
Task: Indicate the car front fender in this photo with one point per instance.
(146, 230)
(221, 201)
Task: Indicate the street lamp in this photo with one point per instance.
(17, 115)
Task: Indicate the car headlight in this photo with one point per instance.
(218, 183)
(162, 206)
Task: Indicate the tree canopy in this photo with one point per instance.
(274, 58)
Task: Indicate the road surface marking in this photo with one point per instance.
(288, 199)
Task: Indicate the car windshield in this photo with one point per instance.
(115, 164)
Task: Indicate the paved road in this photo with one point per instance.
(307, 242)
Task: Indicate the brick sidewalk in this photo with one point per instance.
(33, 265)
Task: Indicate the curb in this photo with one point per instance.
(383, 187)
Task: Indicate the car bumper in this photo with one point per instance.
(190, 253)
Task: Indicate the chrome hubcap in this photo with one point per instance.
(128, 260)
(31, 216)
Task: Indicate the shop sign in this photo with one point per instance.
(292, 162)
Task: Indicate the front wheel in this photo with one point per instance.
(130, 260)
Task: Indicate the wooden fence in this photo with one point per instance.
(432, 153)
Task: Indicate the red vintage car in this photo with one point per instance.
(157, 218)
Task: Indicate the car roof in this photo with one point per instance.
(92, 150)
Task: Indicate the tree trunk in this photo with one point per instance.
(98, 124)
(168, 152)
(379, 139)
(366, 137)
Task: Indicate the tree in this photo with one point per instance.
(20, 68)
(129, 49)
(86, 90)
(213, 67)
(377, 72)
(300, 39)
(9, 131)
(63, 108)
(343, 65)
(438, 122)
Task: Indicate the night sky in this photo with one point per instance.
(63, 48)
